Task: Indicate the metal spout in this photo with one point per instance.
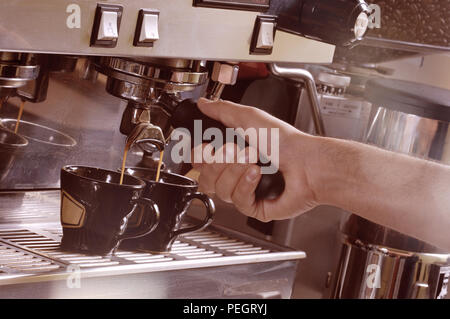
(139, 130)
(146, 134)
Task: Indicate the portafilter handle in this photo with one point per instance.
(270, 186)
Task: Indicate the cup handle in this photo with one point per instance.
(150, 222)
(210, 210)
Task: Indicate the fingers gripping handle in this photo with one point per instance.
(270, 186)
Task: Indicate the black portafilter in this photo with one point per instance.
(184, 114)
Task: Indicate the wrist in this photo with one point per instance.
(329, 170)
(306, 166)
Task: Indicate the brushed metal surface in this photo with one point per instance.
(185, 32)
(398, 274)
(260, 280)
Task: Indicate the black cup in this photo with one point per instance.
(95, 209)
(9, 144)
(173, 195)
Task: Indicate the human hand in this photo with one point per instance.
(236, 182)
(390, 189)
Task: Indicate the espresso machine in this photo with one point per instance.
(92, 77)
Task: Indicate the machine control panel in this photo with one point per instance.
(217, 30)
(105, 31)
(146, 28)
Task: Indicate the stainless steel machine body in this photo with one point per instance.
(185, 31)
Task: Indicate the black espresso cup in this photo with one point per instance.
(95, 209)
(173, 194)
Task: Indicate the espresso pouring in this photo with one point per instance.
(22, 104)
(125, 153)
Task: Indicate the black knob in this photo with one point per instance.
(339, 22)
(270, 186)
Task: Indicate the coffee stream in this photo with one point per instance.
(19, 116)
(161, 154)
(125, 153)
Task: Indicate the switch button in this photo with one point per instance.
(263, 34)
(108, 26)
(146, 28)
(105, 31)
(149, 30)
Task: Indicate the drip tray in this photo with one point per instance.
(229, 262)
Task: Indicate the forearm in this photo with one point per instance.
(398, 191)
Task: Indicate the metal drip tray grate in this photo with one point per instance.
(15, 261)
(36, 249)
(33, 206)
